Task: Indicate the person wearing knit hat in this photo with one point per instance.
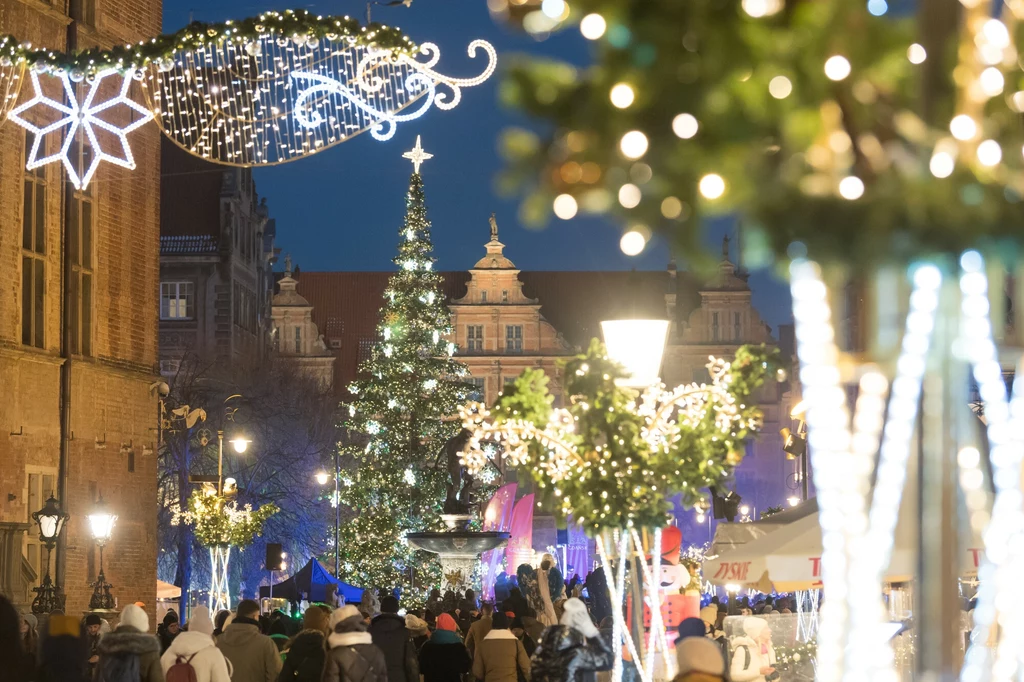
(130, 640)
(168, 629)
(699, 660)
(418, 630)
(753, 656)
(390, 636)
(573, 650)
(444, 657)
(352, 656)
(691, 627)
(93, 624)
(194, 647)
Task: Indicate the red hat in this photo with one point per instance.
(446, 622)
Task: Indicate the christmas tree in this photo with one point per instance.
(404, 406)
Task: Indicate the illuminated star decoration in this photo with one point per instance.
(417, 155)
(86, 117)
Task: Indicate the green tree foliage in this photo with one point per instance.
(607, 470)
(402, 415)
(780, 131)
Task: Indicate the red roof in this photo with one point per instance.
(346, 305)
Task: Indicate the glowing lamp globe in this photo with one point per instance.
(321, 478)
(50, 520)
(240, 444)
(101, 523)
(638, 346)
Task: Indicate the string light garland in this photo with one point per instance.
(913, 134)
(261, 91)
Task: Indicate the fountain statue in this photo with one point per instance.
(459, 549)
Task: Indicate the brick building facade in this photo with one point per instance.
(110, 233)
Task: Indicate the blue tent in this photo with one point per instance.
(311, 582)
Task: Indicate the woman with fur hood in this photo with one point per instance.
(753, 656)
(572, 651)
(352, 656)
(196, 648)
(129, 652)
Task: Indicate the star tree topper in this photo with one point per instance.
(417, 155)
(84, 116)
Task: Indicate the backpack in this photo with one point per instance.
(746, 656)
(119, 668)
(182, 670)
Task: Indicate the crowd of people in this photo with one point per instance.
(455, 638)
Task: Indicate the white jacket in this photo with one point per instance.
(740, 669)
(209, 663)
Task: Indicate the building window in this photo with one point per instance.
(335, 343)
(510, 380)
(33, 254)
(474, 337)
(483, 297)
(298, 340)
(714, 326)
(84, 11)
(736, 326)
(514, 338)
(504, 295)
(177, 300)
(479, 390)
(80, 223)
(365, 350)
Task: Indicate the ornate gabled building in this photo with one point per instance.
(499, 330)
(295, 339)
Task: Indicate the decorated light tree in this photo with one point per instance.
(402, 415)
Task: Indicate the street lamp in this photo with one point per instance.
(50, 520)
(101, 525)
(322, 477)
(795, 444)
(637, 345)
(239, 443)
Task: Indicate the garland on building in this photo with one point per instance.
(299, 26)
(863, 133)
(218, 522)
(610, 460)
(408, 390)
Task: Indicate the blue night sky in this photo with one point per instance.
(341, 209)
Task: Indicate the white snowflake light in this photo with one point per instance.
(372, 427)
(409, 476)
(430, 384)
(86, 116)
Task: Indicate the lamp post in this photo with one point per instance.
(322, 478)
(239, 443)
(101, 525)
(50, 520)
(795, 445)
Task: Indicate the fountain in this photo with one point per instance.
(458, 548)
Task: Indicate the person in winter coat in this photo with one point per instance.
(551, 589)
(418, 630)
(19, 664)
(253, 656)
(306, 653)
(62, 650)
(500, 657)
(753, 656)
(479, 629)
(467, 604)
(699, 660)
(516, 603)
(369, 602)
(195, 647)
(130, 648)
(572, 651)
(93, 624)
(168, 630)
(435, 603)
(352, 656)
(390, 636)
(30, 633)
(222, 620)
(443, 657)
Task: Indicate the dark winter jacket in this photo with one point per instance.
(444, 658)
(119, 647)
(565, 655)
(390, 636)
(305, 659)
(516, 603)
(354, 658)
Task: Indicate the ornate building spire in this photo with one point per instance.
(725, 247)
(494, 228)
(288, 265)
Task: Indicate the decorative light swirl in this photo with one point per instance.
(456, 84)
(306, 103)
